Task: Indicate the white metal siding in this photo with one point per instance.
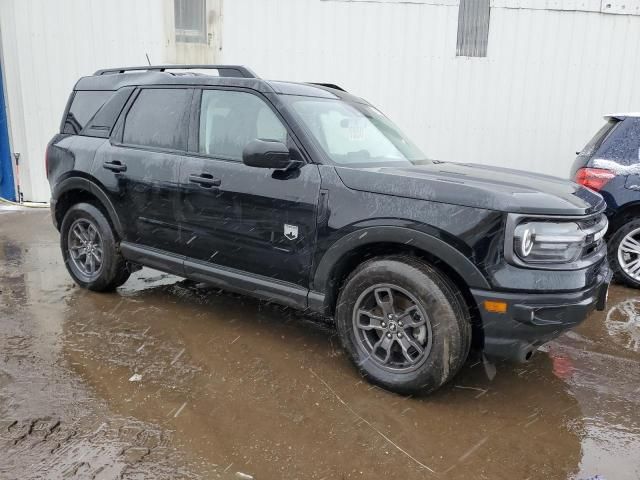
(47, 46)
(553, 67)
(536, 98)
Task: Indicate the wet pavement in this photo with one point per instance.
(168, 379)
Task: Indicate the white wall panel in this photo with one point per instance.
(550, 74)
(535, 99)
(47, 46)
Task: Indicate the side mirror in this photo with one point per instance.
(267, 154)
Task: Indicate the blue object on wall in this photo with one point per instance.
(7, 188)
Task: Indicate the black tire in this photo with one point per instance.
(112, 271)
(447, 323)
(614, 253)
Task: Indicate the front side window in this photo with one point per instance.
(229, 120)
(157, 119)
(354, 133)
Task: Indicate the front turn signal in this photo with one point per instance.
(494, 306)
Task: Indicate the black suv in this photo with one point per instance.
(305, 195)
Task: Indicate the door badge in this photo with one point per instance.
(290, 231)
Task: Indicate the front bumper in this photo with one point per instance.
(533, 319)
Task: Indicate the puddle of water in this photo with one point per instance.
(231, 384)
(602, 369)
(623, 323)
(51, 423)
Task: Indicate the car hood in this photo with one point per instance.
(478, 186)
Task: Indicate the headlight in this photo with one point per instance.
(548, 242)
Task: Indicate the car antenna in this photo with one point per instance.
(148, 61)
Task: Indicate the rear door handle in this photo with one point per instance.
(115, 166)
(205, 180)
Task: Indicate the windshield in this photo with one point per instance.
(353, 133)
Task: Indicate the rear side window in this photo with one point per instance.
(84, 106)
(622, 145)
(158, 118)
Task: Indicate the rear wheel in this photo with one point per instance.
(90, 249)
(404, 324)
(624, 253)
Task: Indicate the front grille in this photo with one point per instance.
(595, 227)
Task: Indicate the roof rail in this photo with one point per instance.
(223, 70)
(330, 85)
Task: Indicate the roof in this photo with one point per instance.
(621, 116)
(195, 75)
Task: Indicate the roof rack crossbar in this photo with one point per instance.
(223, 70)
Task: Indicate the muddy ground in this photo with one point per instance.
(228, 387)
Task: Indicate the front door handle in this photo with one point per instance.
(205, 180)
(115, 166)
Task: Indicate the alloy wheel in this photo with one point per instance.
(392, 327)
(85, 248)
(629, 254)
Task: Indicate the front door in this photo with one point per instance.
(255, 220)
(139, 167)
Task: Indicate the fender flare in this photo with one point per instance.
(449, 255)
(79, 183)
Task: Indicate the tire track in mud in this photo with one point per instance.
(81, 440)
(51, 425)
(118, 448)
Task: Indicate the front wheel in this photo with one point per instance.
(624, 253)
(90, 250)
(404, 324)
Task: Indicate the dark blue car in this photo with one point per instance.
(610, 165)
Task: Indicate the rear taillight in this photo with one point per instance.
(594, 178)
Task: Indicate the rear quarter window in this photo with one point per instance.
(101, 124)
(622, 145)
(83, 107)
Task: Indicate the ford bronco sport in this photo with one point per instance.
(308, 196)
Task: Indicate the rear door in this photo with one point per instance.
(255, 220)
(139, 166)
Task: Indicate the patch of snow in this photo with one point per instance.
(622, 115)
(616, 167)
